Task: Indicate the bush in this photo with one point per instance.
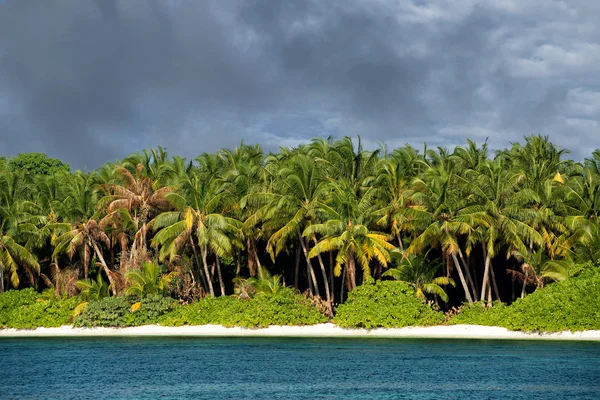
(13, 299)
(117, 311)
(385, 304)
(282, 308)
(27, 309)
(569, 305)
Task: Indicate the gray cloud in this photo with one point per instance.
(91, 80)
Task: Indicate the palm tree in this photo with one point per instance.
(421, 274)
(15, 214)
(87, 238)
(442, 223)
(346, 230)
(296, 199)
(491, 190)
(131, 205)
(198, 217)
(537, 269)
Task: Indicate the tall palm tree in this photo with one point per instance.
(346, 230)
(131, 204)
(296, 199)
(87, 238)
(198, 220)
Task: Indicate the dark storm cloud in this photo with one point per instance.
(88, 81)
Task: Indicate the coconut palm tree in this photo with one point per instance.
(130, 205)
(421, 274)
(346, 231)
(197, 221)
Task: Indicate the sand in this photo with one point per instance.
(317, 331)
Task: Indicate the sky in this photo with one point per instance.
(89, 81)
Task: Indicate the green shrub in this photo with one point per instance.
(479, 314)
(569, 305)
(117, 311)
(27, 309)
(13, 299)
(386, 304)
(282, 308)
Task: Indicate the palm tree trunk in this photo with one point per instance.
(351, 272)
(495, 285)
(343, 284)
(311, 272)
(523, 289)
(207, 273)
(325, 280)
(221, 285)
(331, 281)
(1, 280)
(468, 274)
(107, 271)
(297, 268)
(200, 273)
(462, 279)
(486, 272)
(400, 245)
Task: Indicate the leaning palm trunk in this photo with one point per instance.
(111, 278)
(495, 284)
(462, 279)
(486, 274)
(331, 280)
(325, 280)
(221, 285)
(297, 268)
(468, 274)
(311, 272)
(343, 284)
(207, 272)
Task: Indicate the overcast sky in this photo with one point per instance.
(89, 81)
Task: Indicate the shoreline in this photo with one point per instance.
(327, 330)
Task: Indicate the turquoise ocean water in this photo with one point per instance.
(268, 368)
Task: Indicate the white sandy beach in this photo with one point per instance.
(317, 331)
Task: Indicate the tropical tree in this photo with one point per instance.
(421, 274)
(346, 231)
(150, 280)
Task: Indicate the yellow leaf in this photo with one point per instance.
(558, 178)
(189, 219)
(136, 306)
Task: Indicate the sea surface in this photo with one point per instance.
(269, 368)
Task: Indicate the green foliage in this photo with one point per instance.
(26, 309)
(149, 281)
(93, 290)
(117, 311)
(282, 308)
(569, 305)
(37, 164)
(14, 299)
(386, 304)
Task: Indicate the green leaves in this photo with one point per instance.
(281, 308)
(569, 305)
(149, 280)
(385, 304)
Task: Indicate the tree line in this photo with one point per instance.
(461, 225)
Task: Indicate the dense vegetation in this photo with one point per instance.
(385, 304)
(569, 305)
(455, 226)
